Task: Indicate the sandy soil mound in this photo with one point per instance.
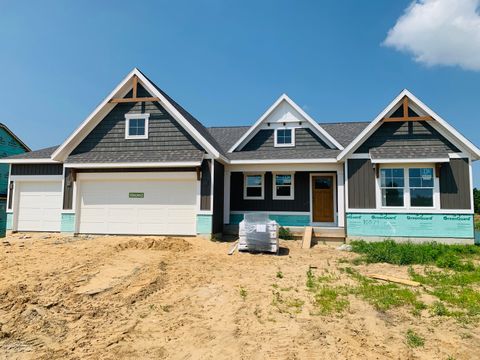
(165, 244)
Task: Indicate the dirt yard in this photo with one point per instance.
(171, 298)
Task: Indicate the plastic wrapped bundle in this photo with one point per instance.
(258, 233)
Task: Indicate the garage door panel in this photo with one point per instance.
(39, 206)
(164, 208)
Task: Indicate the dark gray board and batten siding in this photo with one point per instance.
(218, 198)
(206, 185)
(361, 184)
(300, 203)
(37, 169)
(455, 185)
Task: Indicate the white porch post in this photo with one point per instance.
(341, 197)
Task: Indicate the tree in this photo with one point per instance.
(476, 200)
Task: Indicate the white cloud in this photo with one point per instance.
(439, 32)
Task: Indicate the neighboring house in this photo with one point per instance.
(10, 145)
(141, 164)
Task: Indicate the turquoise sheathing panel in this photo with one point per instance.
(68, 223)
(10, 221)
(411, 225)
(204, 224)
(283, 220)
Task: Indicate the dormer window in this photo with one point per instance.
(136, 126)
(284, 137)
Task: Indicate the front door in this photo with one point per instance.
(322, 198)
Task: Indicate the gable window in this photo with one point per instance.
(392, 183)
(253, 186)
(421, 183)
(136, 126)
(284, 137)
(283, 186)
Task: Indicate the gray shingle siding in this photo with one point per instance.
(164, 133)
(304, 138)
(455, 185)
(414, 134)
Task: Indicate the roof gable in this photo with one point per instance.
(415, 107)
(187, 121)
(283, 111)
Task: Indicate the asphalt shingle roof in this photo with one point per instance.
(137, 156)
(409, 152)
(37, 154)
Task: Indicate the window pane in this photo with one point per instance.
(284, 136)
(136, 127)
(392, 197)
(421, 177)
(392, 178)
(283, 191)
(254, 180)
(421, 197)
(254, 191)
(283, 179)
(323, 183)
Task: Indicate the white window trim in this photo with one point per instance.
(406, 188)
(245, 197)
(274, 186)
(285, 145)
(128, 117)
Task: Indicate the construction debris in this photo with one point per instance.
(307, 238)
(394, 279)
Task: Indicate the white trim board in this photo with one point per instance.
(284, 98)
(418, 104)
(105, 106)
(132, 165)
(29, 161)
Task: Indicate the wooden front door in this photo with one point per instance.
(322, 198)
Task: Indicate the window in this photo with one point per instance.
(421, 183)
(284, 137)
(136, 126)
(392, 185)
(253, 186)
(283, 186)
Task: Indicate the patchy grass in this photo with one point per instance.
(329, 300)
(457, 257)
(279, 274)
(457, 289)
(285, 233)
(384, 296)
(414, 340)
(287, 305)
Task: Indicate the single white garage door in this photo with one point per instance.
(39, 205)
(146, 207)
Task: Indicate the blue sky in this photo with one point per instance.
(226, 61)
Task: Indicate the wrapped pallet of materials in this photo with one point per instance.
(257, 233)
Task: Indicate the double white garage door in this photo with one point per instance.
(112, 206)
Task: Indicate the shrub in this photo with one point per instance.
(285, 233)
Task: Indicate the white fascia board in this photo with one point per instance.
(122, 89)
(176, 114)
(29, 161)
(60, 152)
(132, 165)
(285, 161)
(410, 161)
(369, 129)
(322, 132)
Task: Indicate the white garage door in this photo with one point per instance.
(147, 207)
(39, 205)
